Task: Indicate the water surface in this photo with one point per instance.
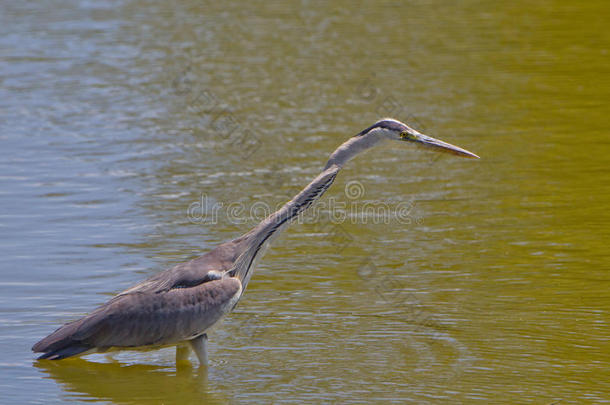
(489, 283)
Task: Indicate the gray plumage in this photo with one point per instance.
(178, 306)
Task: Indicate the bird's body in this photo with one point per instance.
(178, 306)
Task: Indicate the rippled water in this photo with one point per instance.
(488, 283)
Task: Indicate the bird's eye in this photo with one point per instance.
(408, 135)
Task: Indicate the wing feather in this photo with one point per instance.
(144, 318)
(193, 272)
(141, 319)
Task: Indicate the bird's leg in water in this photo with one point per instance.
(111, 358)
(200, 346)
(182, 352)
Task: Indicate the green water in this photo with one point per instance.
(488, 284)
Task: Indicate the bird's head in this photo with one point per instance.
(395, 130)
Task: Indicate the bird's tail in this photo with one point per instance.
(61, 343)
(68, 351)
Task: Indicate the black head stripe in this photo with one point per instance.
(387, 124)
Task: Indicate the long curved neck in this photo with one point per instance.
(351, 148)
(264, 233)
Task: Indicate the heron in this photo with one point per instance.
(178, 306)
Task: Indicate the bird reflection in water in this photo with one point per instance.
(130, 383)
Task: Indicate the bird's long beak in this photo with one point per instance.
(439, 145)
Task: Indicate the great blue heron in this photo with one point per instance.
(179, 305)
